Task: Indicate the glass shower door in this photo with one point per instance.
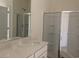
(23, 25)
(51, 33)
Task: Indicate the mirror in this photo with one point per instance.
(3, 22)
(21, 22)
(15, 19)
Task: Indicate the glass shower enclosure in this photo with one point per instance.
(23, 25)
(51, 33)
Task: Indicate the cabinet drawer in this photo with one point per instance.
(41, 51)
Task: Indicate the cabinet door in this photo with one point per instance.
(51, 32)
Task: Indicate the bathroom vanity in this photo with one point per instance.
(23, 48)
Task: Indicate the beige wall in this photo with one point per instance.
(37, 9)
(5, 3)
(60, 5)
(18, 5)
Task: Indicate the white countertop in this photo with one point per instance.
(20, 48)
